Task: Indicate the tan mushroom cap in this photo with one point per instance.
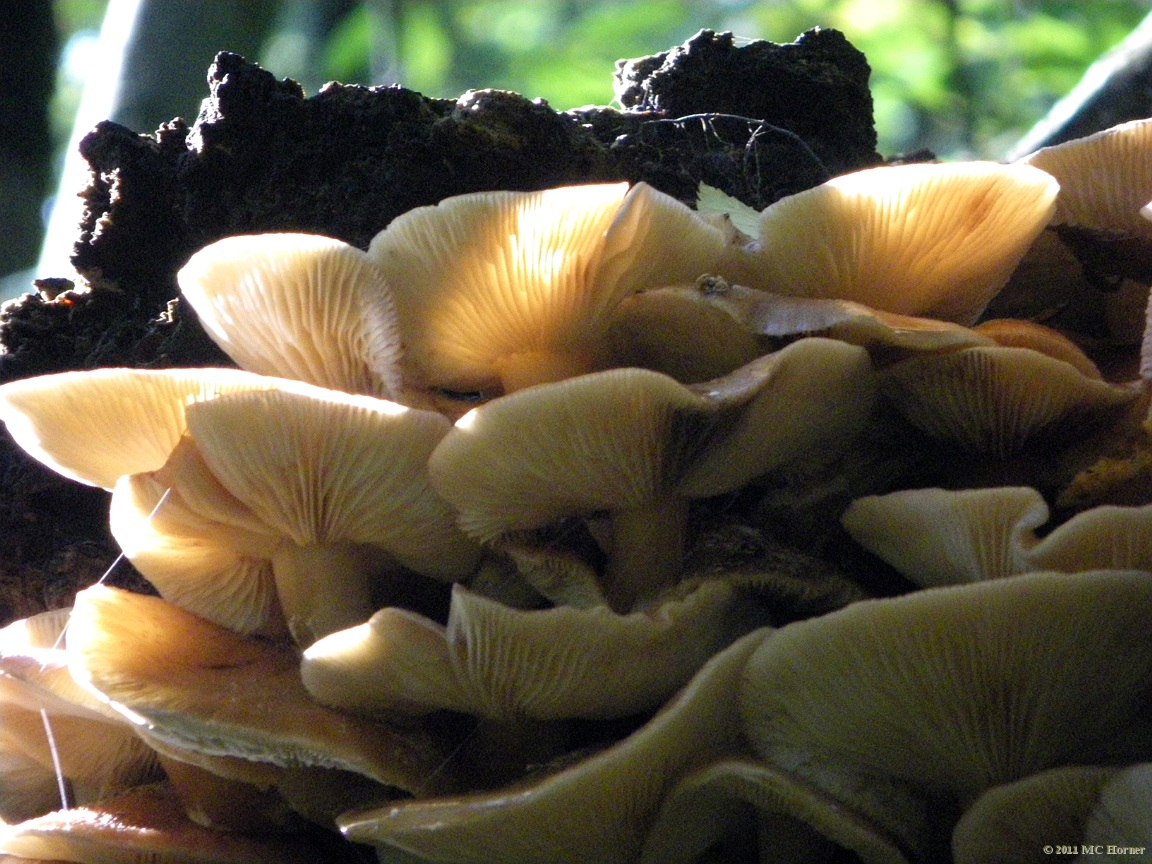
(298, 306)
(1020, 333)
(498, 662)
(595, 812)
(931, 240)
(994, 399)
(947, 692)
(190, 684)
(144, 824)
(49, 724)
(945, 537)
(639, 445)
(96, 426)
(1013, 823)
(302, 484)
(496, 290)
(1105, 178)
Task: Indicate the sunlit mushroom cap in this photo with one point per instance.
(594, 812)
(949, 691)
(263, 475)
(944, 537)
(53, 733)
(144, 824)
(1105, 178)
(485, 278)
(994, 399)
(98, 425)
(499, 662)
(190, 684)
(933, 240)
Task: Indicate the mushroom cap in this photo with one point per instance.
(949, 691)
(1121, 816)
(623, 437)
(1009, 824)
(192, 685)
(499, 662)
(1105, 178)
(481, 277)
(298, 306)
(932, 240)
(597, 810)
(944, 537)
(98, 425)
(147, 823)
(284, 492)
(994, 399)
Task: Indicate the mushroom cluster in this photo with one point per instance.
(582, 526)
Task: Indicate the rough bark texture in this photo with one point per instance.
(760, 121)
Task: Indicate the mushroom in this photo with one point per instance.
(190, 685)
(296, 490)
(502, 663)
(993, 400)
(640, 446)
(941, 694)
(145, 824)
(298, 306)
(944, 537)
(1016, 821)
(930, 240)
(594, 812)
(55, 737)
(495, 291)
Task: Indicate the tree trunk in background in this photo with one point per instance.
(1115, 89)
(29, 46)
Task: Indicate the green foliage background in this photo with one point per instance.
(962, 77)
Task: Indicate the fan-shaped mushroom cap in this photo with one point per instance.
(298, 306)
(994, 399)
(499, 662)
(144, 824)
(291, 485)
(639, 444)
(1104, 178)
(95, 426)
(945, 537)
(496, 290)
(49, 724)
(1012, 824)
(595, 812)
(929, 240)
(190, 684)
(946, 692)
(1019, 333)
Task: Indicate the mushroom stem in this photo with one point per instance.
(647, 552)
(525, 368)
(325, 588)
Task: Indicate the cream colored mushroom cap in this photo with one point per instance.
(594, 812)
(299, 306)
(488, 275)
(95, 426)
(190, 684)
(933, 240)
(624, 437)
(499, 662)
(949, 691)
(1105, 178)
